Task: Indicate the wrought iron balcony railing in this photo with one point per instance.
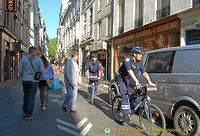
(196, 2)
(139, 22)
(121, 29)
(88, 1)
(164, 12)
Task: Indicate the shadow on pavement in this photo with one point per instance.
(43, 124)
(101, 102)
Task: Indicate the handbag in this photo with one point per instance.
(56, 84)
(37, 74)
(50, 83)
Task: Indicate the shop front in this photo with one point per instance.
(101, 48)
(190, 26)
(84, 55)
(164, 33)
(8, 57)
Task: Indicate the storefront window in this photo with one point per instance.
(128, 47)
(174, 39)
(193, 36)
(121, 49)
(120, 60)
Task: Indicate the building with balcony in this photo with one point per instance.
(103, 34)
(190, 24)
(87, 16)
(46, 44)
(68, 30)
(152, 25)
(19, 30)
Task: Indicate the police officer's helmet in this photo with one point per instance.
(94, 55)
(138, 50)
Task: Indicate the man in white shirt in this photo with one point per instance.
(72, 78)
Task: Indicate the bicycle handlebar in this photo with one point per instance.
(145, 89)
(93, 78)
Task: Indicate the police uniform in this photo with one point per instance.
(93, 69)
(126, 80)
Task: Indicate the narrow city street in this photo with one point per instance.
(90, 120)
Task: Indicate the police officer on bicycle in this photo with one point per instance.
(132, 64)
(93, 69)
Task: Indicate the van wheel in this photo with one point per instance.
(112, 94)
(186, 121)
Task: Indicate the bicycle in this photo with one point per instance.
(148, 113)
(92, 88)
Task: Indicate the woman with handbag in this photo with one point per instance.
(47, 76)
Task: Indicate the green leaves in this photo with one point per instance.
(52, 48)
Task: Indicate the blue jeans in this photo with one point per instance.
(71, 96)
(30, 89)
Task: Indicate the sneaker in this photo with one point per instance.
(64, 108)
(44, 108)
(29, 118)
(24, 115)
(73, 111)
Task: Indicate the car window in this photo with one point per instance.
(187, 61)
(160, 62)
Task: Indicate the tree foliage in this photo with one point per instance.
(52, 48)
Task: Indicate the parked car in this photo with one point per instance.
(177, 74)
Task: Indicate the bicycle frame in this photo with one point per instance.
(92, 88)
(143, 100)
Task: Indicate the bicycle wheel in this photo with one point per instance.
(116, 109)
(153, 124)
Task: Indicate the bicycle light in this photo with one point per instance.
(148, 98)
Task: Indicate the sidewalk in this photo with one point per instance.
(43, 124)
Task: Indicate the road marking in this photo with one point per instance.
(57, 96)
(86, 129)
(54, 100)
(77, 127)
(67, 124)
(60, 103)
(81, 122)
(68, 130)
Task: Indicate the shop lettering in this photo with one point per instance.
(147, 32)
(167, 26)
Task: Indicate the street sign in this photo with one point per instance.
(10, 5)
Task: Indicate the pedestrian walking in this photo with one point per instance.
(101, 74)
(72, 78)
(47, 76)
(29, 66)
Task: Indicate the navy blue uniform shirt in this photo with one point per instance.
(129, 64)
(93, 68)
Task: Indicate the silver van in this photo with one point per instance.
(177, 74)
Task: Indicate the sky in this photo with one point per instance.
(50, 10)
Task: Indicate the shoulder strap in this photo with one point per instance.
(31, 65)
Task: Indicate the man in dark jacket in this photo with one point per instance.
(93, 70)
